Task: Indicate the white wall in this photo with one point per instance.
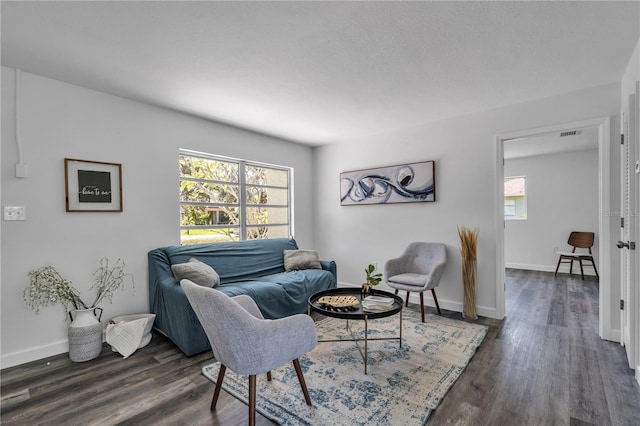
(562, 196)
(464, 149)
(61, 120)
(630, 76)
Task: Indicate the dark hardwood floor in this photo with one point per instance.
(543, 365)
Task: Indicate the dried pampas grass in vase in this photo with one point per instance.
(468, 247)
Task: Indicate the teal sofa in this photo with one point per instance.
(253, 267)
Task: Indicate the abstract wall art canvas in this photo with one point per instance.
(405, 183)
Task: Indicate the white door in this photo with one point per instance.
(628, 228)
(635, 303)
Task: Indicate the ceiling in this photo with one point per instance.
(323, 72)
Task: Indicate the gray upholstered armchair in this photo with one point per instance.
(245, 342)
(418, 269)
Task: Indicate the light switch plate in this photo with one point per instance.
(14, 213)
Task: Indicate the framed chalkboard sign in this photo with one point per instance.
(92, 186)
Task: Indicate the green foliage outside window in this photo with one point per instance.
(210, 195)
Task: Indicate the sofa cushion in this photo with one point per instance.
(197, 272)
(296, 260)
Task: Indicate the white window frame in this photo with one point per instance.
(242, 202)
(514, 208)
(525, 197)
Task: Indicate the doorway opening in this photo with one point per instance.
(598, 129)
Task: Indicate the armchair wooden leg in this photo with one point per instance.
(435, 299)
(396, 291)
(422, 305)
(581, 269)
(303, 385)
(252, 400)
(558, 266)
(407, 302)
(268, 376)
(216, 392)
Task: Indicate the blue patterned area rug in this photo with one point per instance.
(403, 385)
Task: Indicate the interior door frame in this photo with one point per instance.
(628, 271)
(603, 125)
(636, 300)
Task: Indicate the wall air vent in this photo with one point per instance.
(569, 133)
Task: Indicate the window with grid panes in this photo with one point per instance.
(224, 199)
(515, 198)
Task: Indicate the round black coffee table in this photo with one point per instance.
(357, 313)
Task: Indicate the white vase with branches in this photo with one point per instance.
(48, 287)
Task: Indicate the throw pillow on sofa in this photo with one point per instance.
(297, 260)
(196, 271)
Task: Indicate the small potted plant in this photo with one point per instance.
(373, 279)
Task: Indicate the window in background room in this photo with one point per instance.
(515, 198)
(224, 199)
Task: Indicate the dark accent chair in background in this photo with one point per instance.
(583, 240)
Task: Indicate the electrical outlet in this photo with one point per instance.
(14, 213)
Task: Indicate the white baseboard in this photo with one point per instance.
(564, 269)
(33, 354)
(638, 374)
(428, 301)
(614, 335)
(39, 352)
